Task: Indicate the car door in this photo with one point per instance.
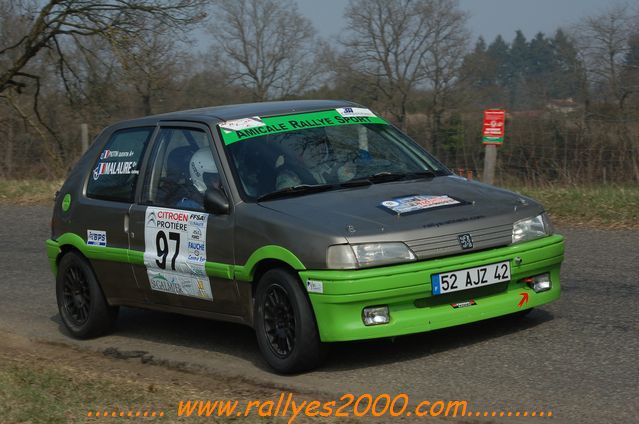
(109, 194)
(188, 252)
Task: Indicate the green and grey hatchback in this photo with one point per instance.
(310, 221)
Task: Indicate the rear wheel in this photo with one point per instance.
(83, 308)
(285, 324)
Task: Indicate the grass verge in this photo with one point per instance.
(614, 207)
(54, 383)
(25, 192)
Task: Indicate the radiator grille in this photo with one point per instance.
(448, 244)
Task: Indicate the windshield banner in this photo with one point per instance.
(245, 128)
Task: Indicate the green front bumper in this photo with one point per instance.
(406, 289)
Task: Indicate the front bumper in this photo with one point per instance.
(406, 289)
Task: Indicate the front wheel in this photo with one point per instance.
(285, 324)
(83, 308)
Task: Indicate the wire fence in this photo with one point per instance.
(547, 149)
(536, 150)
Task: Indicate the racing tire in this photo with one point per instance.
(285, 324)
(81, 303)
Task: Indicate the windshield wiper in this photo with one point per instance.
(385, 176)
(358, 182)
(296, 190)
(380, 177)
(421, 174)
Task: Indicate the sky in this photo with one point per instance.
(487, 17)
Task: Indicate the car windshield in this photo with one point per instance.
(328, 157)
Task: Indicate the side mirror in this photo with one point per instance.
(216, 202)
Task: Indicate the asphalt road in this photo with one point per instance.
(576, 357)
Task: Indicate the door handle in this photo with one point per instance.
(127, 226)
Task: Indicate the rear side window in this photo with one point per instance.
(116, 170)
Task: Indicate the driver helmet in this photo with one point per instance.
(201, 162)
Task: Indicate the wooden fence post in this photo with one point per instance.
(490, 161)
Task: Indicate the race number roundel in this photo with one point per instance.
(175, 252)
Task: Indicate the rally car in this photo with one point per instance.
(310, 221)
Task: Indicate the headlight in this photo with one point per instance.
(350, 256)
(531, 228)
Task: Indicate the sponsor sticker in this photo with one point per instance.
(115, 168)
(96, 238)
(416, 203)
(196, 234)
(242, 124)
(175, 252)
(354, 111)
(463, 304)
(314, 286)
(180, 284)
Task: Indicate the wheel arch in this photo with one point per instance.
(264, 257)
(266, 265)
(260, 262)
(68, 248)
(269, 264)
(58, 248)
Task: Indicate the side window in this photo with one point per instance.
(116, 170)
(182, 168)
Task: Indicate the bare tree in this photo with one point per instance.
(51, 26)
(405, 45)
(449, 44)
(150, 63)
(604, 41)
(57, 19)
(267, 46)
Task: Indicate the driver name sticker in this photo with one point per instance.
(115, 168)
(175, 252)
(416, 203)
(109, 154)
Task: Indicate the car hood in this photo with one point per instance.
(357, 214)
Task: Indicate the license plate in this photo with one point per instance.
(470, 278)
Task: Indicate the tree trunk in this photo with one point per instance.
(8, 157)
(146, 104)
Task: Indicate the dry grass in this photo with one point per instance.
(614, 207)
(591, 206)
(27, 192)
(54, 383)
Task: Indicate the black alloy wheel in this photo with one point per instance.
(284, 322)
(279, 321)
(83, 308)
(76, 295)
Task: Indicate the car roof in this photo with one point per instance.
(215, 114)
